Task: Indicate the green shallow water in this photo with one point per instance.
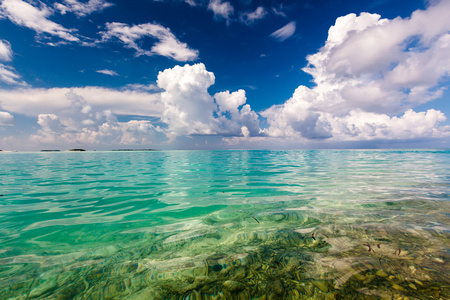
(225, 225)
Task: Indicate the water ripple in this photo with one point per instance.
(58, 208)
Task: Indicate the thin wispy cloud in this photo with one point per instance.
(107, 72)
(284, 32)
(279, 11)
(5, 51)
(82, 9)
(35, 101)
(148, 88)
(8, 74)
(35, 18)
(167, 45)
(191, 2)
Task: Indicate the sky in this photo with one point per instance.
(218, 74)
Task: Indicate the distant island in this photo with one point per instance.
(50, 150)
(77, 150)
(134, 150)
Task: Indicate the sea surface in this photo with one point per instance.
(325, 224)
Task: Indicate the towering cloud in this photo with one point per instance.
(190, 110)
(188, 107)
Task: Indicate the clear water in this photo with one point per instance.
(225, 225)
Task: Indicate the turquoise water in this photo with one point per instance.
(225, 225)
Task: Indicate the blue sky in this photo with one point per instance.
(216, 74)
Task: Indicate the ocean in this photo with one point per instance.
(316, 224)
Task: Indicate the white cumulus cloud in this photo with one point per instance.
(35, 18)
(410, 125)
(369, 76)
(190, 110)
(179, 105)
(83, 124)
(235, 116)
(188, 107)
(221, 9)
(167, 44)
(6, 118)
(251, 17)
(284, 32)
